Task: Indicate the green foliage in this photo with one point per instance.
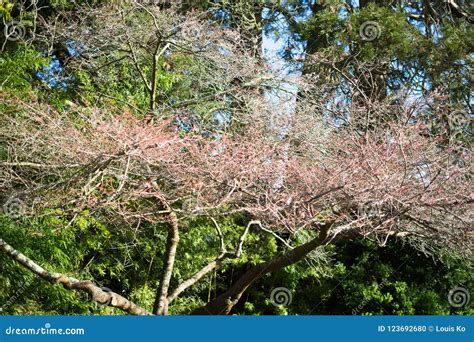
(351, 278)
(393, 280)
(5, 9)
(46, 241)
(362, 279)
(18, 67)
(392, 37)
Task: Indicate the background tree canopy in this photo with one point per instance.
(236, 157)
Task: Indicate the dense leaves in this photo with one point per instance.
(123, 121)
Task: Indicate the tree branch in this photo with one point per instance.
(38, 165)
(226, 301)
(197, 276)
(156, 56)
(160, 306)
(216, 262)
(113, 299)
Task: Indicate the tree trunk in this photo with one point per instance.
(223, 304)
(161, 304)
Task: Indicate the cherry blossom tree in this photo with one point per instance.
(334, 179)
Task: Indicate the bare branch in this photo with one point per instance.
(113, 299)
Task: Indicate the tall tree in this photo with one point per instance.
(353, 168)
